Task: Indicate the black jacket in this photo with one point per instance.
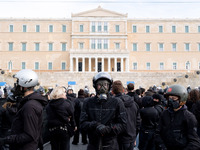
(78, 106)
(110, 112)
(178, 130)
(136, 97)
(133, 119)
(27, 124)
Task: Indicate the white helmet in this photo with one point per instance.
(27, 78)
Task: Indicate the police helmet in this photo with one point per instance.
(102, 75)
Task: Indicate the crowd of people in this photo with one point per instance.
(113, 118)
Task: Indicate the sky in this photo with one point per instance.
(134, 8)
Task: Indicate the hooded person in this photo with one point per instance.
(26, 129)
(103, 116)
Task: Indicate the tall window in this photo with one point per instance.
(134, 66)
(147, 29)
(161, 46)
(99, 44)
(81, 28)
(134, 29)
(105, 44)
(50, 66)
(187, 46)
(23, 46)
(187, 65)
(37, 46)
(64, 28)
(50, 46)
(160, 29)
(198, 29)
(199, 66)
(173, 46)
(116, 28)
(199, 47)
(148, 65)
(105, 28)
(63, 66)
(161, 66)
(23, 65)
(117, 45)
(81, 45)
(174, 66)
(93, 26)
(148, 47)
(50, 28)
(37, 66)
(10, 65)
(64, 46)
(10, 46)
(37, 28)
(186, 29)
(134, 46)
(93, 44)
(173, 29)
(11, 28)
(99, 26)
(24, 28)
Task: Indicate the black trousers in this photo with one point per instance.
(60, 140)
(76, 136)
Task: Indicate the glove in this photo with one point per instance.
(102, 129)
(93, 124)
(2, 141)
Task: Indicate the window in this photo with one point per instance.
(36, 65)
(161, 66)
(93, 26)
(199, 65)
(134, 46)
(81, 28)
(187, 65)
(24, 28)
(99, 44)
(148, 48)
(105, 28)
(134, 29)
(99, 26)
(50, 66)
(81, 45)
(37, 28)
(173, 46)
(161, 46)
(93, 44)
(148, 65)
(147, 29)
(10, 66)
(173, 29)
(105, 45)
(199, 47)
(134, 66)
(186, 29)
(23, 46)
(187, 46)
(50, 28)
(198, 29)
(11, 29)
(116, 28)
(23, 65)
(64, 28)
(174, 66)
(37, 46)
(80, 65)
(117, 45)
(50, 46)
(10, 46)
(64, 46)
(63, 66)
(160, 29)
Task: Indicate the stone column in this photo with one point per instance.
(102, 59)
(122, 65)
(71, 64)
(127, 64)
(89, 64)
(109, 64)
(96, 64)
(115, 64)
(83, 62)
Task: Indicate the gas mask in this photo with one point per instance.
(173, 104)
(102, 89)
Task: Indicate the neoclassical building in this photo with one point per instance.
(100, 40)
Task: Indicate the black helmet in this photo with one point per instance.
(102, 75)
(177, 90)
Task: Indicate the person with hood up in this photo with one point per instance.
(127, 139)
(26, 129)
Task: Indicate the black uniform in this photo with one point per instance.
(111, 113)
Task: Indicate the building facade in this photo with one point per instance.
(100, 40)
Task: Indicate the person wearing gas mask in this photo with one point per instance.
(27, 123)
(177, 129)
(103, 116)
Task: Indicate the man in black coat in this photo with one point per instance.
(27, 124)
(127, 138)
(103, 116)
